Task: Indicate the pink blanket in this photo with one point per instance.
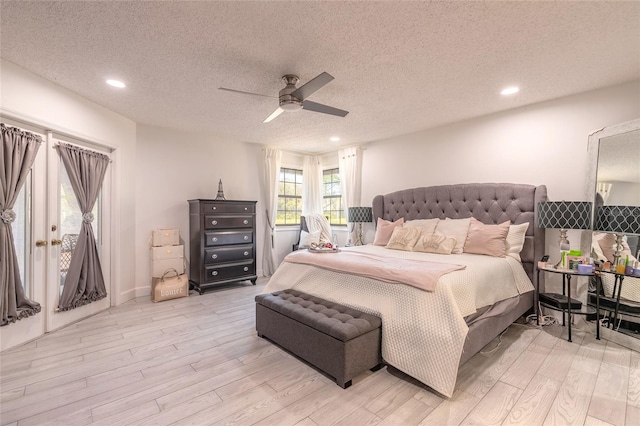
(416, 273)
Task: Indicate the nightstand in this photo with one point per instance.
(612, 304)
(566, 288)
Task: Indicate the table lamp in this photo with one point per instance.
(618, 220)
(359, 215)
(564, 215)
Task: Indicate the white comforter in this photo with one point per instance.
(422, 332)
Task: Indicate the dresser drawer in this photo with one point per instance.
(223, 238)
(225, 272)
(227, 254)
(228, 208)
(222, 222)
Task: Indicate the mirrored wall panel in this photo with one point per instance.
(617, 223)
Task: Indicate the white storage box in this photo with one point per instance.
(160, 266)
(167, 252)
(165, 237)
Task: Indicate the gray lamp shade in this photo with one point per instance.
(618, 219)
(564, 214)
(359, 214)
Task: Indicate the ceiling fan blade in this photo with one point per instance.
(325, 109)
(273, 115)
(246, 93)
(312, 86)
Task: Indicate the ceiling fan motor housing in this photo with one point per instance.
(288, 102)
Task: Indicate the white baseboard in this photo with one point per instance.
(143, 291)
(126, 296)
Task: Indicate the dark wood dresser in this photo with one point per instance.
(222, 242)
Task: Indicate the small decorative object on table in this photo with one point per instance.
(220, 195)
(323, 248)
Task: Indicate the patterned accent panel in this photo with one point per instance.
(564, 215)
(490, 203)
(359, 214)
(618, 219)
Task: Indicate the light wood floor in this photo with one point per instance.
(197, 361)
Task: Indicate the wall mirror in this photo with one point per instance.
(614, 186)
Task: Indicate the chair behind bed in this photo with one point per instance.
(490, 203)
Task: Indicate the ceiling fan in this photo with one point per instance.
(294, 98)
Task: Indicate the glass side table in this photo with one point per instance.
(566, 288)
(617, 290)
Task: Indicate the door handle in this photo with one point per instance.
(56, 242)
(41, 243)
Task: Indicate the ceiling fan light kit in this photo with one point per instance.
(293, 98)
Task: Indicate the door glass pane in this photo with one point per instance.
(70, 223)
(21, 228)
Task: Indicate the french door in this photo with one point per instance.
(45, 232)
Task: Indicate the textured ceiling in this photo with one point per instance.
(399, 67)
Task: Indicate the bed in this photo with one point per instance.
(429, 334)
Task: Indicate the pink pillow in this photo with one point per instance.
(384, 231)
(486, 239)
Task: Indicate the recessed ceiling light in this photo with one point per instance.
(334, 139)
(116, 83)
(510, 91)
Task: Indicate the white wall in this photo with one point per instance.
(540, 144)
(46, 105)
(174, 167)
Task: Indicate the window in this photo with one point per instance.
(332, 197)
(289, 197)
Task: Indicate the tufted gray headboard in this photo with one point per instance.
(490, 203)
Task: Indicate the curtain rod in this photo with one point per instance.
(57, 146)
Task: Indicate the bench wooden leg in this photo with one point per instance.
(344, 385)
(377, 367)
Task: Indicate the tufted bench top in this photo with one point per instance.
(337, 321)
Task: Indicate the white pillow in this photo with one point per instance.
(596, 250)
(455, 228)
(515, 240)
(306, 238)
(428, 225)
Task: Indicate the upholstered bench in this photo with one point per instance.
(340, 341)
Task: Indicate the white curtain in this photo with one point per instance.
(312, 185)
(272, 161)
(350, 163)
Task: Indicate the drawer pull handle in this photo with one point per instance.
(246, 268)
(214, 239)
(215, 256)
(245, 221)
(215, 208)
(214, 273)
(246, 237)
(246, 253)
(214, 222)
(246, 208)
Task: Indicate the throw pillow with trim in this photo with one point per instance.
(384, 230)
(404, 238)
